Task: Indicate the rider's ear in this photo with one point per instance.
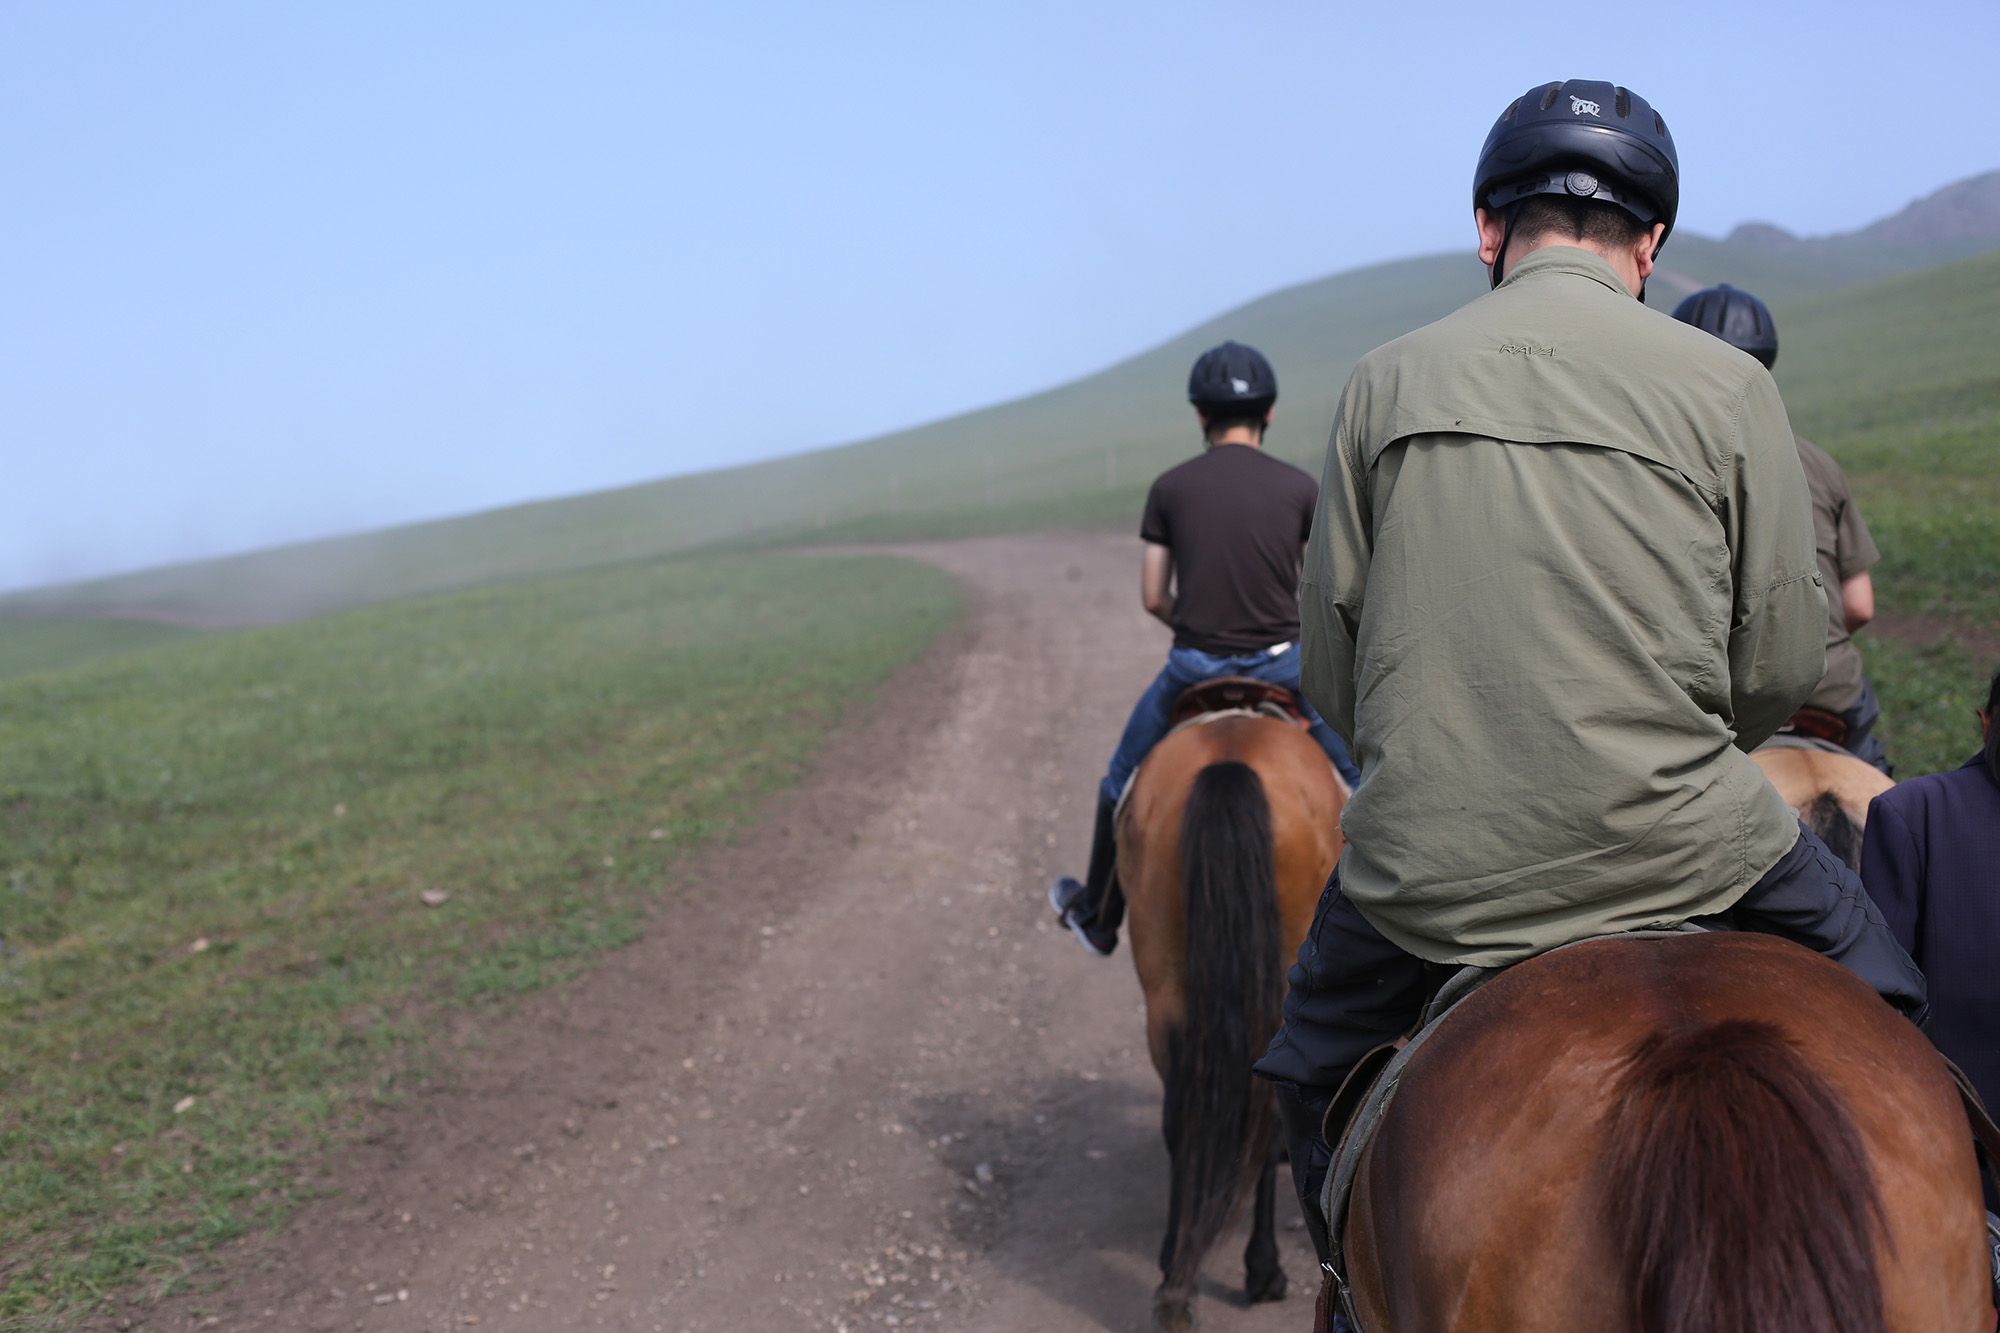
(1646, 250)
(1492, 232)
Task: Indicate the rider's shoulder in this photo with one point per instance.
(1621, 339)
(1475, 327)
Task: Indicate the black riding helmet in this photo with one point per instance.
(1736, 317)
(1583, 139)
(1232, 378)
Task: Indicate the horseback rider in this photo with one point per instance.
(1843, 697)
(1224, 533)
(1561, 583)
(1931, 858)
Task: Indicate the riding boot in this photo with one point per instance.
(1093, 909)
(1302, 1112)
(1100, 881)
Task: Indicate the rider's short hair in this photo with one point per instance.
(1222, 418)
(1574, 219)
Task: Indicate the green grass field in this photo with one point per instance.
(212, 855)
(45, 645)
(1900, 380)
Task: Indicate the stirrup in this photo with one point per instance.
(1063, 898)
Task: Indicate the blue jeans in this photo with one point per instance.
(1152, 716)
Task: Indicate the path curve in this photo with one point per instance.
(852, 1077)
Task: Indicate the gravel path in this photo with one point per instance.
(852, 1078)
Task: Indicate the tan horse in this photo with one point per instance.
(1829, 790)
(1228, 834)
(1715, 1132)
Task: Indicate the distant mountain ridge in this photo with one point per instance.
(1963, 212)
(1078, 453)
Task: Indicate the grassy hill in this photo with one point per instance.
(1900, 380)
(240, 873)
(45, 645)
(1078, 454)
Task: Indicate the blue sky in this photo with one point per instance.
(273, 271)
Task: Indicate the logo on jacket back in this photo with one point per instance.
(1579, 107)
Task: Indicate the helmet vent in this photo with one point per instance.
(1621, 101)
(1659, 124)
(1549, 95)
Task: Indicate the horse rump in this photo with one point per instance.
(1737, 1189)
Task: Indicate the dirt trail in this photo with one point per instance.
(853, 1078)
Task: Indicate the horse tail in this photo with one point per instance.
(1738, 1191)
(1826, 817)
(1218, 1116)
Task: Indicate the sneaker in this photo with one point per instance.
(1066, 896)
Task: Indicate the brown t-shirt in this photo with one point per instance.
(1235, 519)
(1845, 549)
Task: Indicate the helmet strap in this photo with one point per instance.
(1506, 238)
(1656, 259)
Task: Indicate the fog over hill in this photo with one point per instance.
(1079, 453)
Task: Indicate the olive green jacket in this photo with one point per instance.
(1562, 579)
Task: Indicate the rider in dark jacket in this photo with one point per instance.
(1931, 860)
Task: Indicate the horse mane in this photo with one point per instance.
(1737, 1190)
(1828, 818)
(1218, 1115)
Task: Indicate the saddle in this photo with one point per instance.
(1818, 724)
(1798, 740)
(1238, 694)
(1227, 696)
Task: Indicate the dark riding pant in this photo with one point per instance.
(1351, 989)
(1861, 740)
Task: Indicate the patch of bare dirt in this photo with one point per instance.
(1923, 631)
(852, 1077)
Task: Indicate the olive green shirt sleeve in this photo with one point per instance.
(1855, 547)
(1330, 589)
(1777, 632)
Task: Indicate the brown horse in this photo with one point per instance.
(1829, 789)
(1716, 1132)
(1230, 830)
